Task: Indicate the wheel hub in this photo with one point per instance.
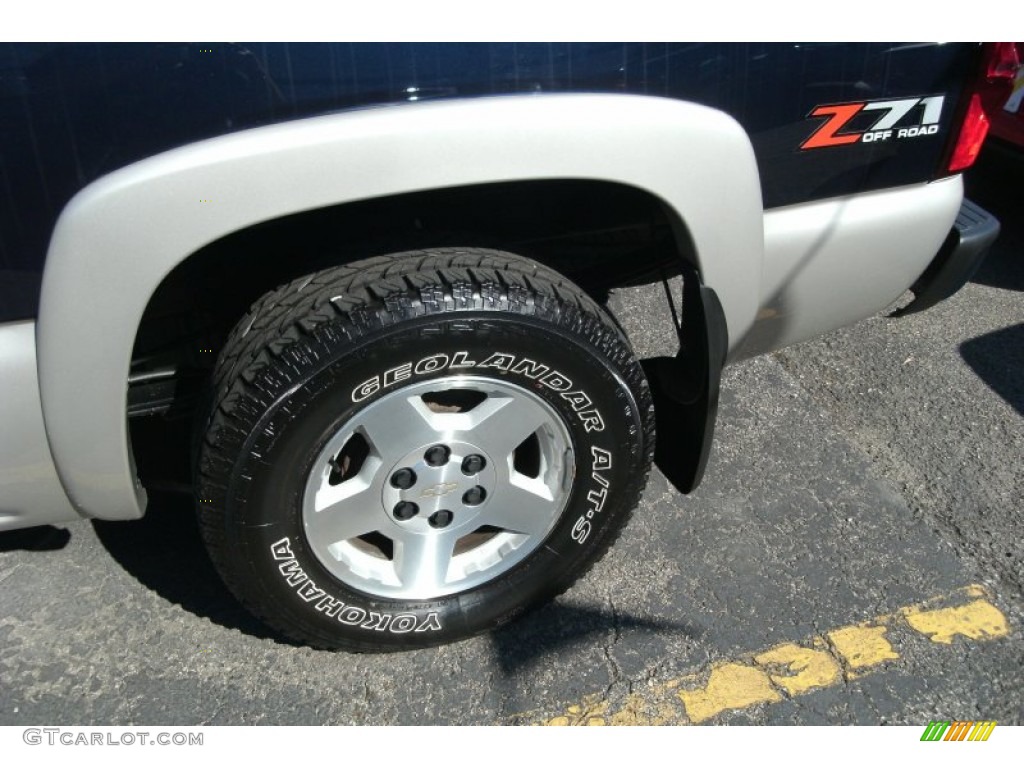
(444, 486)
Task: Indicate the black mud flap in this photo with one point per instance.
(685, 387)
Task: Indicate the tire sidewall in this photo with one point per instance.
(583, 383)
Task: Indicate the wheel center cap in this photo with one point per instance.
(458, 488)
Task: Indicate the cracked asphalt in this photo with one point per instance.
(854, 479)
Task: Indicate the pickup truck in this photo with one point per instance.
(358, 290)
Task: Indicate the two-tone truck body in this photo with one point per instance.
(369, 278)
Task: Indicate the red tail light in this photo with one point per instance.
(1003, 62)
(973, 130)
(999, 65)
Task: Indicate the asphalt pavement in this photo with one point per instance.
(854, 556)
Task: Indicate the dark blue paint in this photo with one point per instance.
(71, 113)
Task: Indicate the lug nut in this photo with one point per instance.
(440, 519)
(473, 464)
(403, 479)
(437, 455)
(405, 510)
(474, 496)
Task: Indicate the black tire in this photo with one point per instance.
(312, 357)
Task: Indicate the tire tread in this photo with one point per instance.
(356, 300)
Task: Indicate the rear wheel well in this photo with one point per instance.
(601, 235)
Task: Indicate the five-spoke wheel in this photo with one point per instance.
(438, 487)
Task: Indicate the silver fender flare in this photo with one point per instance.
(120, 236)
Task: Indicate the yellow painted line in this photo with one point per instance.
(978, 620)
(800, 669)
(729, 686)
(792, 669)
(862, 645)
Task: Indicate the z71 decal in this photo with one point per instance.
(896, 119)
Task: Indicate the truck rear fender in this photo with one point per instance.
(119, 237)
